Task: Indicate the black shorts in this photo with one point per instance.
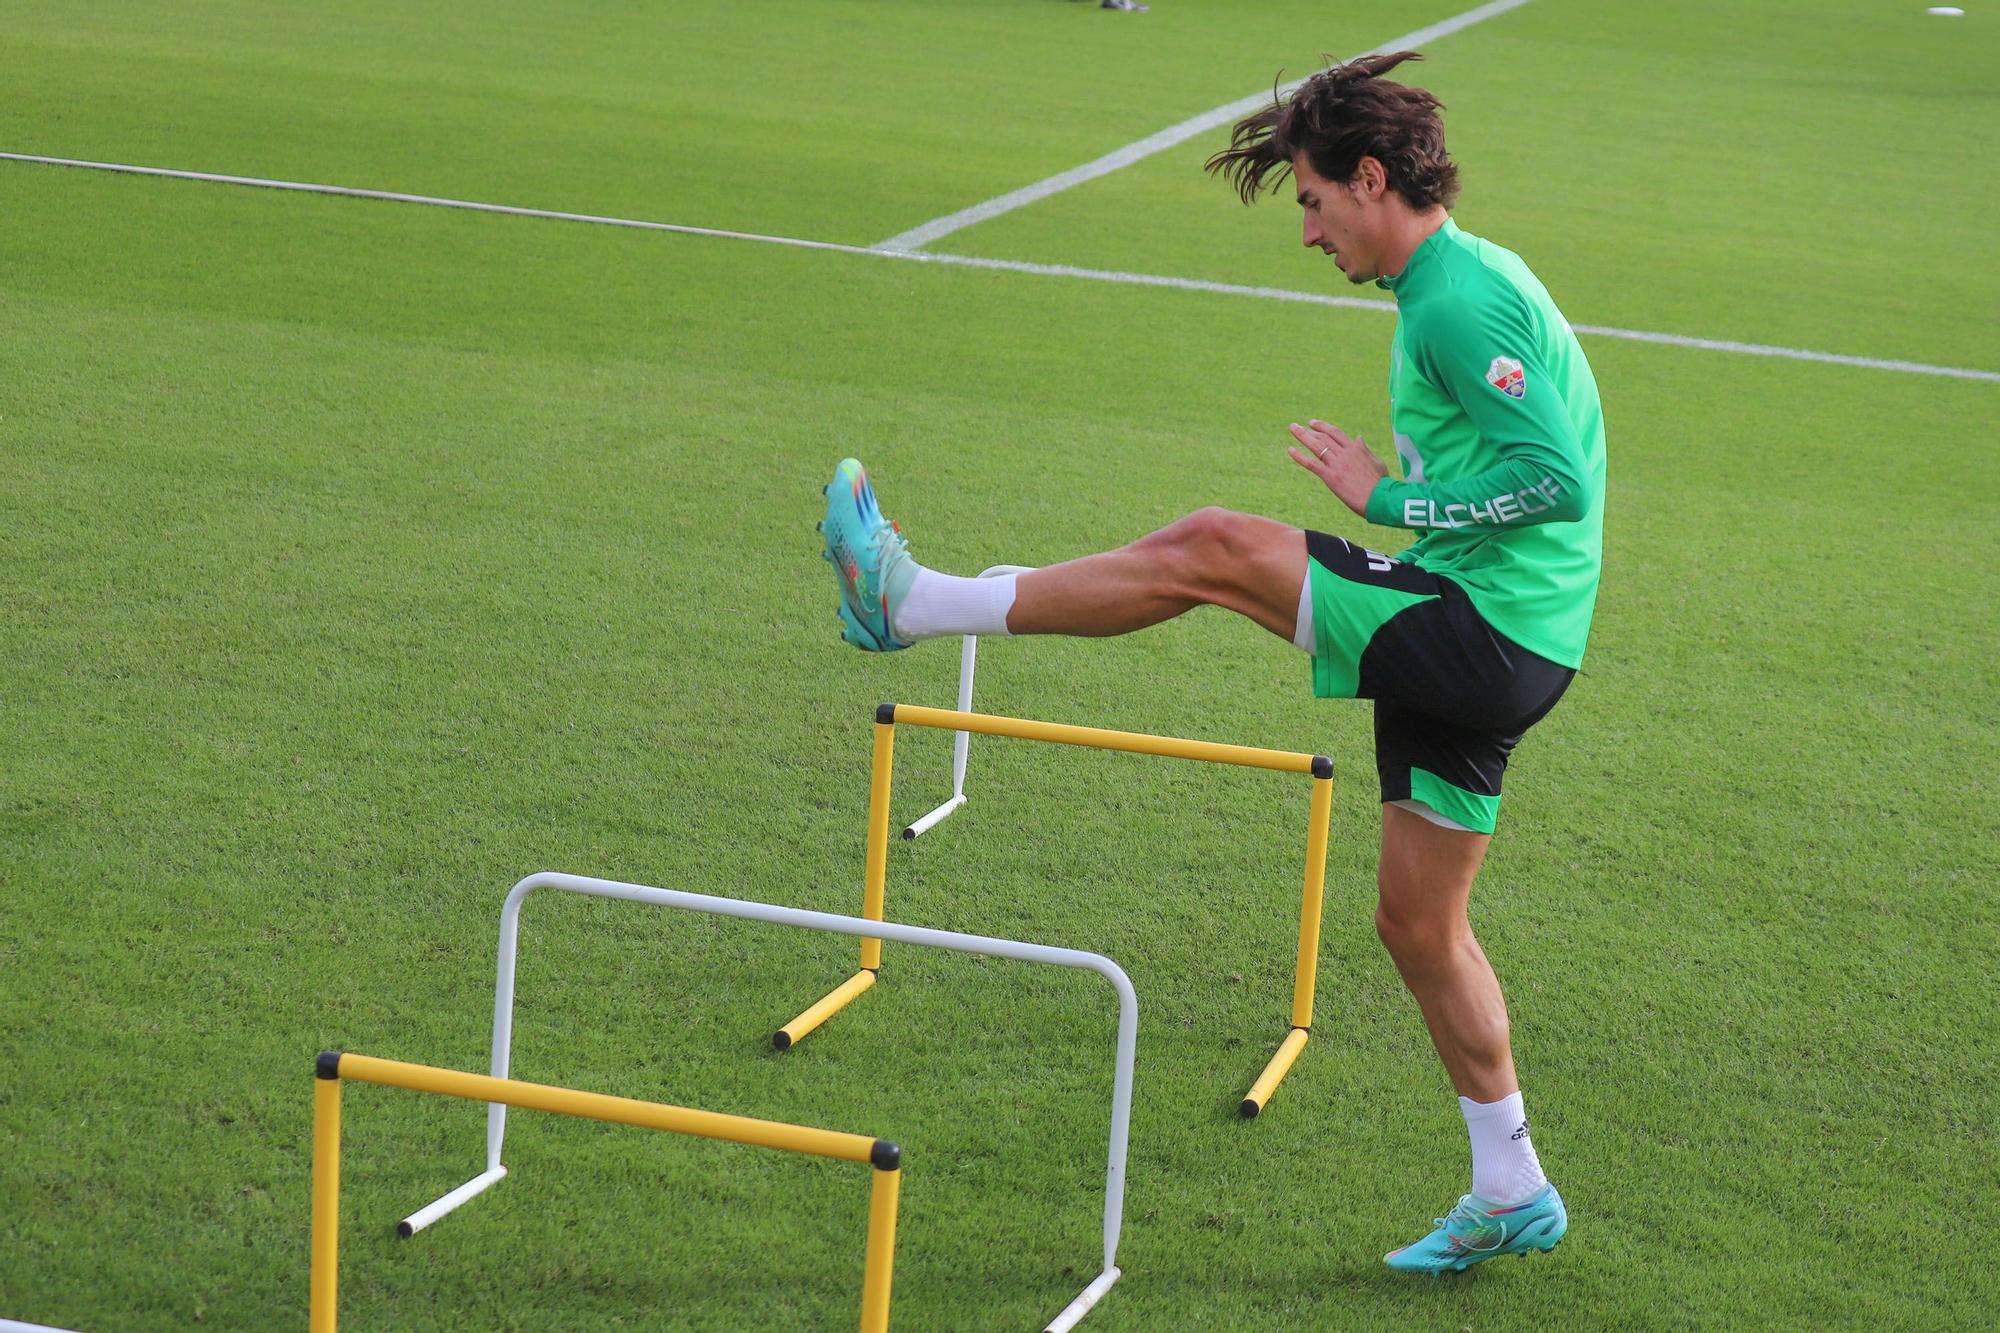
(1453, 695)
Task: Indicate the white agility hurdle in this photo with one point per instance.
(503, 1031)
(961, 741)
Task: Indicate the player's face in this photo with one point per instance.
(1336, 221)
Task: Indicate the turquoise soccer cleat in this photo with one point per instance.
(1476, 1231)
(868, 554)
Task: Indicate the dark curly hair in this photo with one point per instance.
(1337, 117)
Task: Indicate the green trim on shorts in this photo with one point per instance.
(1476, 812)
(1346, 615)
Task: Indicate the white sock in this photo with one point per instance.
(948, 604)
(1504, 1166)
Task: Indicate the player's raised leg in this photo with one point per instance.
(1213, 557)
(1253, 566)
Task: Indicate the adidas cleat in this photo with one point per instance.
(1476, 1231)
(869, 556)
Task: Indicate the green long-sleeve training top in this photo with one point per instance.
(1501, 438)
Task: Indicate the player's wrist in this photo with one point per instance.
(1377, 506)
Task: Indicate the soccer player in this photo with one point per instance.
(1463, 641)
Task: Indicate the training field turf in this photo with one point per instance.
(360, 558)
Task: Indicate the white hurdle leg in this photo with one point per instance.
(437, 1208)
(961, 741)
(503, 1049)
(1078, 1308)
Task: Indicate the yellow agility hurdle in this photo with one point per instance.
(334, 1066)
(1318, 767)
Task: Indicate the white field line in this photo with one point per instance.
(434, 201)
(1017, 266)
(916, 238)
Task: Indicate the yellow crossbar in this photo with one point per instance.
(1097, 738)
(617, 1110)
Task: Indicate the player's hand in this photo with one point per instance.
(1344, 462)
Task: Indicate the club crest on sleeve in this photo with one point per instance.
(1505, 375)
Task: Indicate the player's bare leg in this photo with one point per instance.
(1213, 557)
(1424, 881)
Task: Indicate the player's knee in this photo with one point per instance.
(1419, 941)
(1201, 549)
(1204, 529)
(1221, 534)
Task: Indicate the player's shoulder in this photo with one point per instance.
(1473, 283)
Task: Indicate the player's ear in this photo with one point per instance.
(1371, 178)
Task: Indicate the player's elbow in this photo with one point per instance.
(1572, 503)
(1557, 496)
(1552, 477)
(1564, 485)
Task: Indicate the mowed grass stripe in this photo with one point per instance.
(1683, 167)
(867, 115)
(916, 238)
(1007, 266)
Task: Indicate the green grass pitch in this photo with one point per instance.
(359, 558)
